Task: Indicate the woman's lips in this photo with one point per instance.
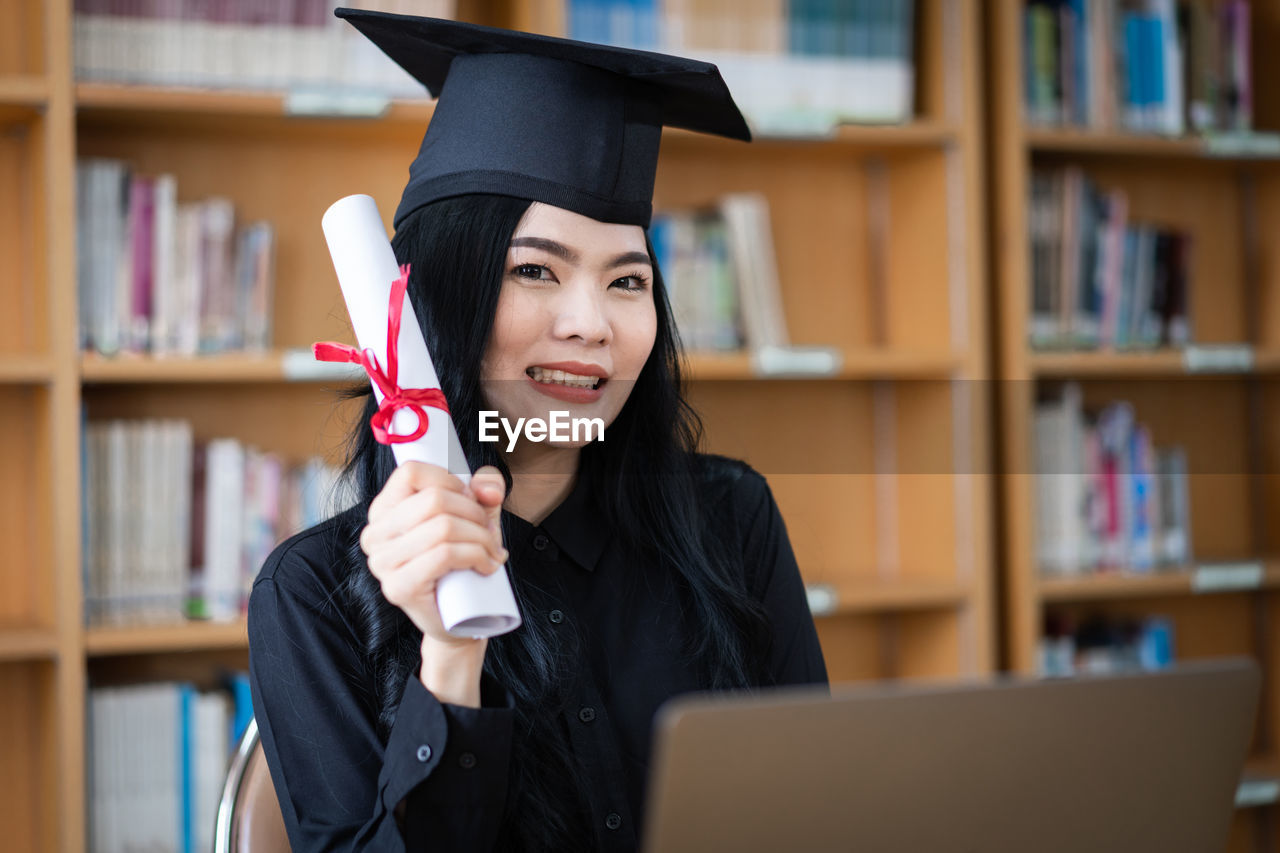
(568, 393)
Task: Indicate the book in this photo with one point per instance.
(750, 243)
(157, 756)
(288, 45)
(167, 535)
(1146, 66)
(1107, 498)
(167, 278)
(1099, 280)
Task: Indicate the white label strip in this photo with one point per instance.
(1242, 144)
(339, 104)
(1225, 577)
(795, 361)
(1218, 358)
(823, 599)
(1257, 792)
(299, 365)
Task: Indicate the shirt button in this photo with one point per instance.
(613, 820)
(540, 542)
(556, 617)
(424, 753)
(587, 714)
(467, 760)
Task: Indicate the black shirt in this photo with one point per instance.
(339, 784)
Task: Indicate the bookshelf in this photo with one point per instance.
(1213, 398)
(166, 639)
(880, 238)
(41, 667)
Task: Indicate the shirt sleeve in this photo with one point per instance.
(442, 771)
(774, 576)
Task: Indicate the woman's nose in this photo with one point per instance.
(581, 313)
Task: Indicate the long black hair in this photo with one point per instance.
(643, 478)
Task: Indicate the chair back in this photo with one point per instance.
(249, 819)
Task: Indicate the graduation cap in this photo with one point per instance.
(568, 123)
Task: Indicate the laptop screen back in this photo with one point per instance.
(1113, 763)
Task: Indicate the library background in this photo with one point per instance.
(1018, 251)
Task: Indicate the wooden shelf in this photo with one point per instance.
(274, 366)
(855, 364)
(1184, 581)
(160, 639)
(1168, 363)
(878, 596)
(187, 105)
(1086, 142)
(20, 644)
(867, 138)
(225, 103)
(1070, 364)
(27, 369)
(22, 96)
(297, 366)
(860, 364)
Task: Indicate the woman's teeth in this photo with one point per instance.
(559, 377)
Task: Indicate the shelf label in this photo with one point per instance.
(298, 365)
(1257, 792)
(822, 598)
(320, 104)
(795, 361)
(1242, 144)
(789, 125)
(1226, 577)
(1218, 358)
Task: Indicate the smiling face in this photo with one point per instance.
(575, 319)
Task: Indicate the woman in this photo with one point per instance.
(642, 568)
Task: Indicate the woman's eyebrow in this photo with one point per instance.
(628, 258)
(560, 250)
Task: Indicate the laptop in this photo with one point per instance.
(1123, 763)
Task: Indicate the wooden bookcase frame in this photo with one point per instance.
(882, 251)
(1225, 203)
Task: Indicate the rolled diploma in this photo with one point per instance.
(471, 604)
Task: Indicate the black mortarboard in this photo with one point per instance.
(572, 124)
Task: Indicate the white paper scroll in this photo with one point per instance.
(471, 604)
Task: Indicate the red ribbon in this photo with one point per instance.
(394, 397)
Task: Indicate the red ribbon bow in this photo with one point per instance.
(394, 397)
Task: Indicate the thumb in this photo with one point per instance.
(490, 490)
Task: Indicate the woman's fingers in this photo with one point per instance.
(416, 579)
(425, 523)
(488, 486)
(441, 529)
(407, 480)
(490, 489)
(419, 508)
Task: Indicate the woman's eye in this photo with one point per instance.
(537, 271)
(632, 282)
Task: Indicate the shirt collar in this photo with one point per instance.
(577, 525)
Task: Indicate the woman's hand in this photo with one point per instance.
(424, 524)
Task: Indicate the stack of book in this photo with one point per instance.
(157, 756)
(284, 44)
(1106, 498)
(721, 275)
(164, 278)
(1102, 644)
(1158, 66)
(176, 528)
(1098, 279)
(792, 64)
